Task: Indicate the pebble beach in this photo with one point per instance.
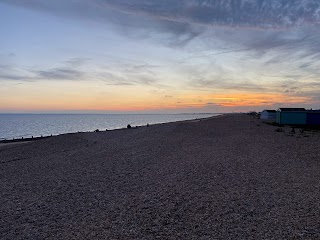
(226, 177)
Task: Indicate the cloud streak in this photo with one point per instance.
(59, 74)
(71, 70)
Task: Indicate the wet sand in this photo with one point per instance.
(230, 177)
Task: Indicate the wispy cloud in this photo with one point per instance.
(77, 69)
(138, 75)
(77, 62)
(130, 79)
(223, 83)
(59, 74)
(11, 72)
(13, 77)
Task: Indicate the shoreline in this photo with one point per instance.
(27, 139)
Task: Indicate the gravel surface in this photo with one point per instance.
(230, 177)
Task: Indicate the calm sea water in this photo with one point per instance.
(27, 125)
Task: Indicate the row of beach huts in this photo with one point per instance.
(292, 116)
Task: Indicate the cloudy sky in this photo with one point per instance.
(158, 56)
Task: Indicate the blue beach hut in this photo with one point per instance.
(313, 117)
(294, 116)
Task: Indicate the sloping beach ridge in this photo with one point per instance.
(227, 177)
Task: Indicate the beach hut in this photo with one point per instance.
(313, 117)
(293, 116)
(268, 115)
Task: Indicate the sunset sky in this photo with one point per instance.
(158, 56)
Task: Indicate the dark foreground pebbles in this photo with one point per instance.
(224, 178)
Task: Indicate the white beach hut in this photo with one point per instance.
(269, 115)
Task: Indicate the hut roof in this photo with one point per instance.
(291, 109)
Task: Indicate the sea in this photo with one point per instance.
(28, 125)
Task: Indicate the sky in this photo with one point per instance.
(158, 56)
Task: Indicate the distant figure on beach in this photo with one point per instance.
(147, 124)
(128, 126)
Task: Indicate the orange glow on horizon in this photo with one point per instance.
(130, 103)
(247, 100)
